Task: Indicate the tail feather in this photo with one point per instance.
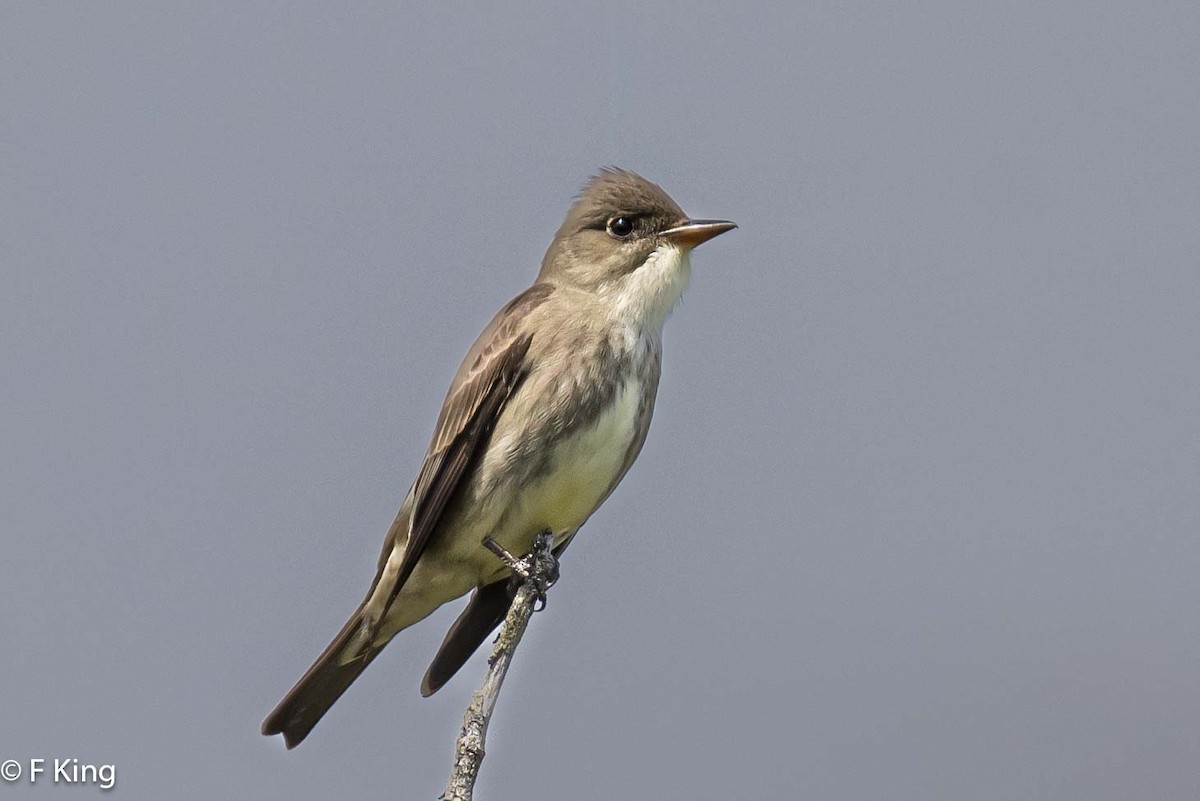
(331, 675)
(487, 609)
(483, 614)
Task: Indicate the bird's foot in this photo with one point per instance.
(539, 569)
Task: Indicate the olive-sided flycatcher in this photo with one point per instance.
(546, 414)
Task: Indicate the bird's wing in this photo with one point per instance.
(491, 371)
(489, 604)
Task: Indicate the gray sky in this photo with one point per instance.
(918, 515)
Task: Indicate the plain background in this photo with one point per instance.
(918, 514)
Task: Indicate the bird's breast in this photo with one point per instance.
(583, 464)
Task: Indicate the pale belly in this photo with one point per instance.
(583, 468)
(580, 472)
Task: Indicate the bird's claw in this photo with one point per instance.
(539, 569)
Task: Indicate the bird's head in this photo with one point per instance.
(626, 240)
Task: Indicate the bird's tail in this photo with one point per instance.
(334, 671)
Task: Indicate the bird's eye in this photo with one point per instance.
(620, 227)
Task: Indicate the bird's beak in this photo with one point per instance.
(690, 233)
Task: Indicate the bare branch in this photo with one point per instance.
(542, 568)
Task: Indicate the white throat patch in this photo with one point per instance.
(645, 298)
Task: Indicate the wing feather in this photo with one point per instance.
(489, 375)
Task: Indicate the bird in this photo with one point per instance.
(544, 417)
